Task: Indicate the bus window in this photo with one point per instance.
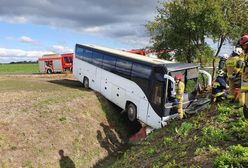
(109, 62)
(182, 72)
(123, 67)
(191, 85)
(87, 56)
(157, 93)
(97, 59)
(192, 80)
(141, 71)
(141, 75)
(79, 53)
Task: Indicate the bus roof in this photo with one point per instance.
(170, 65)
(180, 66)
(129, 55)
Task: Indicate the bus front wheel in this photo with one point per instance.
(86, 83)
(131, 112)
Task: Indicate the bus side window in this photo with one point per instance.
(141, 71)
(157, 93)
(141, 75)
(123, 67)
(79, 53)
(87, 56)
(109, 62)
(97, 59)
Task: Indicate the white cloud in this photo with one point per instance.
(25, 39)
(9, 55)
(61, 49)
(14, 19)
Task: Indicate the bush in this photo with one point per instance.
(211, 134)
(184, 129)
(235, 156)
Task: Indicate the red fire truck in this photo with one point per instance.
(53, 63)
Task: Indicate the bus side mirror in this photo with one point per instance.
(209, 77)
(173, 82)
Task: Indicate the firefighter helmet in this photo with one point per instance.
(179, 77)
(238, 51)
(244, 40)
(225, 56)
(220, 73)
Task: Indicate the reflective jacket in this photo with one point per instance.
(244, 77)
(180, 90)
(233, 66)
(219, 86)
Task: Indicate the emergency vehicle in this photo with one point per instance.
(53, 63)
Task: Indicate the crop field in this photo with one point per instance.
(50, 121)
(19, 68)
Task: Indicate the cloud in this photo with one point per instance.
(25, 39)
(106, 18)
(9, 55)
(61, 49)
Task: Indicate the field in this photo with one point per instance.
(19, 68)
(50, 121)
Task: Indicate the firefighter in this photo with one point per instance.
(222, 61)
(179, 95)
(219, 87)
(233, 70)
(243, 42)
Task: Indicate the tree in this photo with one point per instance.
(184, 25)
(230, 23)
(180, 25)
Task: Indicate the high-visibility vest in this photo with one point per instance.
(231, 66)
(244, 77)
(179, 90)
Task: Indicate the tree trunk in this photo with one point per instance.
(222, 39)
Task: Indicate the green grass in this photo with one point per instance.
(208, 139)
(18, 68)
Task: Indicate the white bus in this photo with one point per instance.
(144, 87)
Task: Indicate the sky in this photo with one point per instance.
(31, 28)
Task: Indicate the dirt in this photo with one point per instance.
(51, 121)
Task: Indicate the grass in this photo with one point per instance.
(208, 139)
(40, 116)
(19, 68)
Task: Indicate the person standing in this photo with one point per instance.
(179, 94)
(243, 42)
(233, 70)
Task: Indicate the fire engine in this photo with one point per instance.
(53, 63)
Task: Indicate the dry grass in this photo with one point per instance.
(40, 115)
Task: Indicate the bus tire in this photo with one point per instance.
(131, 112)
(49, 71)
(86, 83)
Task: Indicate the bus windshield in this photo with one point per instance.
(190, 79)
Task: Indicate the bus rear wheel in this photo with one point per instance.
(131, 112)
(86, 83)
